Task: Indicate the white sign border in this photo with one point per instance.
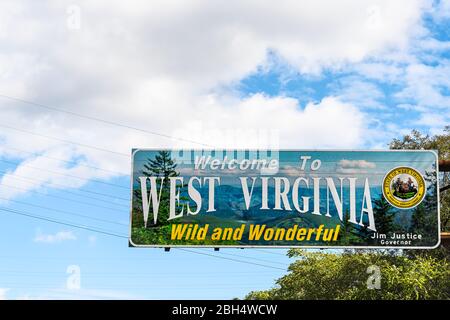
(133, 245)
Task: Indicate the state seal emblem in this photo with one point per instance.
(404, 187)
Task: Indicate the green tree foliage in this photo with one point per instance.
(441, 142)
(321, 275)
(417, 141)
(418, 219)
(161, 166)
(405, 275)
(384, 215)
(348, 235)
(165, 167)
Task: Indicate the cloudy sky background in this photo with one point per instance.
(293, 74)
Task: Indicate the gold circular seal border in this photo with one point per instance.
(413, 202)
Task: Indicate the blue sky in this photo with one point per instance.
(34, 268)
(81, 84)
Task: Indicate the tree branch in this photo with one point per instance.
(444, 188)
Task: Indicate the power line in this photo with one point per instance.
(63, 198)
(67, 186)
(67, 161)
(111, 208)
(187, 287)
(127, 200)
(63, 211)
(71, 192)
(64, 174)
(105, 150)
(270, 252)
(100, 120)
(127, 274)
(86, 258)
(231, 259)
(252, 258)
(65, 141)
(88, 228)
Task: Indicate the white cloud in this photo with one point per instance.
(329, 123)
(165, 67)
(307, 127)
(435, 121)
(381, 71)
(347, 166)
(425, 85)
(442, 10)
(200, 44)
(356, 164)
(3, 292)
(363, 94)
(54, 238)
(27, 176)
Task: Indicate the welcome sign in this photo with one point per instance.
(287, 198)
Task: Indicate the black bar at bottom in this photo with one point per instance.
(217, 309)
